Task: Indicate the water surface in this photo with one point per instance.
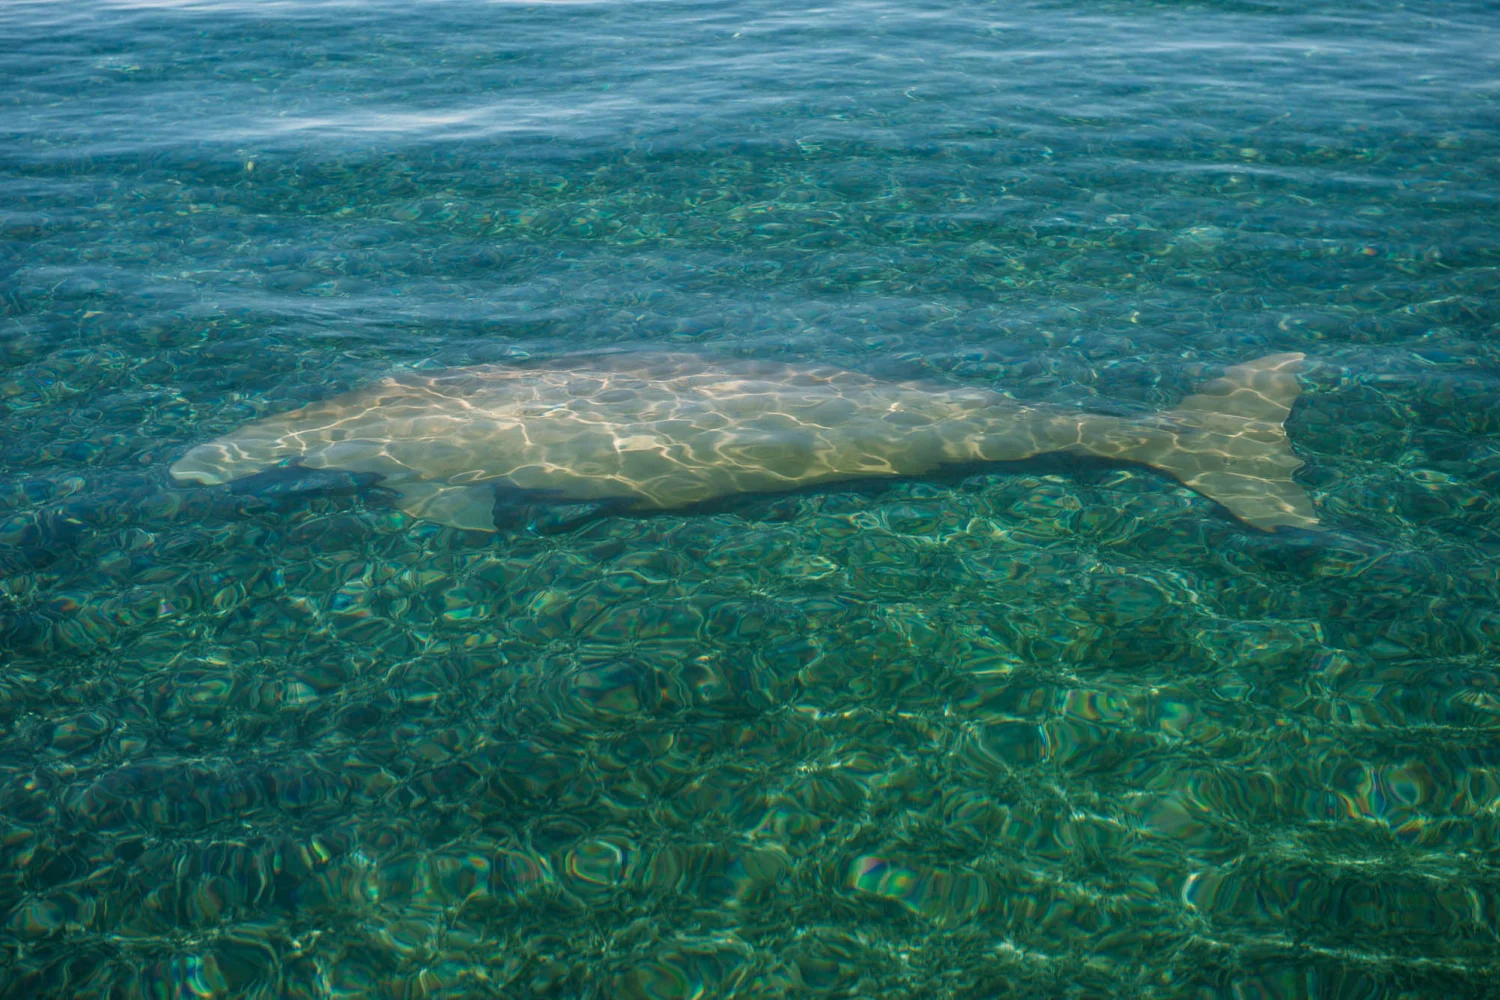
(1045, 730)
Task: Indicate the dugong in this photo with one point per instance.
(668, 430)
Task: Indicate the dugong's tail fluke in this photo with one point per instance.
(1231, 443)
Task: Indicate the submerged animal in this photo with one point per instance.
(664, 431)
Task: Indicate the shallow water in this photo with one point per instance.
(1049, 729)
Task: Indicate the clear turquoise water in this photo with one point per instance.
(1048, 730)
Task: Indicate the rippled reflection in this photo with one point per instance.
(1055, 727)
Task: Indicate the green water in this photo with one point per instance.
(1049, 729)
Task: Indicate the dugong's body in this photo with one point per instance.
(671, 430)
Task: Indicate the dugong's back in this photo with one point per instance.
(663, 432)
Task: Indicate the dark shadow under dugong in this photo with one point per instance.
(654, 432)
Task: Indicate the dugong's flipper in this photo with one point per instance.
(1233, 448)
(468, 506)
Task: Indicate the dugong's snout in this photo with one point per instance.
(214, 463)
(205, 465)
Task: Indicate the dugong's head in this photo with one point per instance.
(244, 453)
